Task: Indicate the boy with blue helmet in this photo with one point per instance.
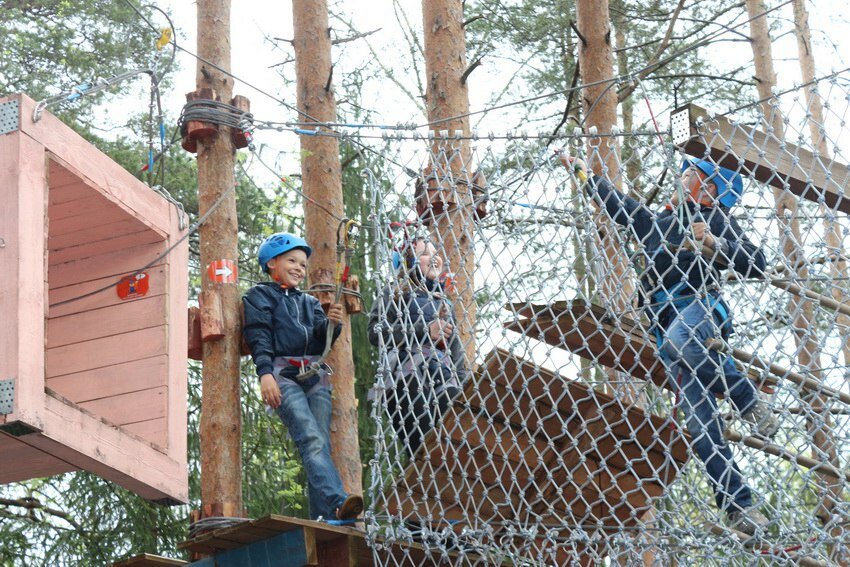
(286, 331)
(681, 294)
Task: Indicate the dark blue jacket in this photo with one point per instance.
(283, 322)
(405, 328)
(660, 235)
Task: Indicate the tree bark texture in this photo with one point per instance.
(808, 355)
(221, 411)
(832, 231)
(321, 178)
(447, 96)
(596, 62)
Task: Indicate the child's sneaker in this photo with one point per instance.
(761, 416)
(351, 508)
(748, 521)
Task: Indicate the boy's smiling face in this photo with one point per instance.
(289, 268)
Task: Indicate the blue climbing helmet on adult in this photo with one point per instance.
(277, 244)
(729, 184)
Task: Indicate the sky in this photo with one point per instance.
(253, 57)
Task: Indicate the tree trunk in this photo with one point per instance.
(447, 96)
(630, 153)
(789, 234)
(616, 286)
(221, 411)
(321, 180)
(835, 248)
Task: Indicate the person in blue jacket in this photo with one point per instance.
(683, 248)
(427, 364)
(287, 331)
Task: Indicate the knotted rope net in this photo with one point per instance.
(539, 403)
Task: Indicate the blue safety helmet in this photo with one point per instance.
(280, 243)
(729, 184)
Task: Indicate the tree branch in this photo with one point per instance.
(354, 37)
(469, 70)
(650, 67)
(35, 504)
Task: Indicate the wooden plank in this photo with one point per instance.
(534, 390)
(31, 293)
(104, 246)
(118, 263)
(92, 229)
(177, 345)
(85, 161)
(111, 380)
(589, 335)
(131, 407)
(157, 280)
(149, 560)
(106, 351)
(98, 213)
(763, 157)
(114, 320)
(68, 188)
(74, 208)
(19, 461)
(9, 194)
(88, 443)
(153, 430)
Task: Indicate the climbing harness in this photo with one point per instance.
(347, 234)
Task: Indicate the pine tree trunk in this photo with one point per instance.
(221, 410)
(616, 286)
(835, 248)
(321, 180)
(789, 233)
(447, 96)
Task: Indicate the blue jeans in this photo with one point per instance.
(307, 416)
(700, 373)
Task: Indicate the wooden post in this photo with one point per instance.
(617, 288)
(802, 308)
(221, 415)
(321, 179)
(447, 97)
(596, 63)
(838, 268)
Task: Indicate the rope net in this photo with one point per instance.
(541, 401)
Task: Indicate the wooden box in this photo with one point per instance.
(92, 368)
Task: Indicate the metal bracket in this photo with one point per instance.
(7, 396)
(680, 124)
(10, 117)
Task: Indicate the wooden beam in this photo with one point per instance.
(763, 156)
(783, 453)
(804, 382)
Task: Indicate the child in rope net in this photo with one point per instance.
(427, 365)
(287, 330)
(684, 246)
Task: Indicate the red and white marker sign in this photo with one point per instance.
(134, 285)
(222, 271)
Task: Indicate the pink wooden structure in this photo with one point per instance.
(98, 383)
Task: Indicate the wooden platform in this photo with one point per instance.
(93, 358)
(592, 333)
(148, 560)
(763, 156)
(283, 541)
(522, 445)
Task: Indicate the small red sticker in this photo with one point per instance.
(134, 285)
(222, 271)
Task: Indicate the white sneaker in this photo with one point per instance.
(747, 521)
(761, 416)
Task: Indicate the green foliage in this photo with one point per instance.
(52, 45)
